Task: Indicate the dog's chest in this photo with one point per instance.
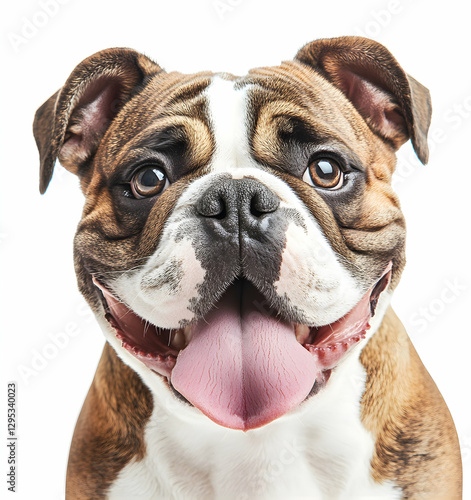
(321, 452)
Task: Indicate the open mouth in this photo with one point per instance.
(241, 365)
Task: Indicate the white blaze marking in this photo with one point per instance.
(228, 115)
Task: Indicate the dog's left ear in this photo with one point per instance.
(394, 105)
(71, 123)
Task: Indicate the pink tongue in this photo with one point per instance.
(242, 368)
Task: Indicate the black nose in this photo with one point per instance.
(241, 232)
(239, 205)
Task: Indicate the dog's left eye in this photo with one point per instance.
(148, 181)
(324, 173)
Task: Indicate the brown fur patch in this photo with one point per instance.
(110, 429)
(416, 443)
(169, 100)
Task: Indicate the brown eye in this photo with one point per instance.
(325, 173)
(148, 181)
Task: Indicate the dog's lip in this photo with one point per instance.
(251, 374)
(158, 348)
(148, 343)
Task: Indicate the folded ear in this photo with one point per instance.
(394, 105)
(71, 124)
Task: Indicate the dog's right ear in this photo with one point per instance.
(71, 123)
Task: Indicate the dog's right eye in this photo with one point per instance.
(324, 173)
(149, 181)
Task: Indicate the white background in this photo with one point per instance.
(42, 41)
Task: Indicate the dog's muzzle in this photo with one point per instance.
(243, 361)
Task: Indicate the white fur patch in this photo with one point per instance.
(146, 290)
(228, 116)
(312, 277)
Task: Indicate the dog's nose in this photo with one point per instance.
(238, 204)
(242, 229)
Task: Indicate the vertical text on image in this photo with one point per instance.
(12, 437)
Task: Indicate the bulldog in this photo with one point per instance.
(239, 246)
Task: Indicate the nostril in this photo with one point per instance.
(254, 210)
(222, 210)
(263, 202)
(212, 206)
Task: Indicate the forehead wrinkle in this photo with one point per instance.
(165, 94)
(267, 145)
(193, 106)
(187, 87)
(168, 89)
(190, 130)
(290, 81)
(196, 132)
(297, 83)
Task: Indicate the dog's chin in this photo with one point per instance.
(243, 366)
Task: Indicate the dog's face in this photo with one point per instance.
(237, 232)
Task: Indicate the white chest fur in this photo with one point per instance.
(319, 451)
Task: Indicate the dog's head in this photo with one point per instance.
(237, 232)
